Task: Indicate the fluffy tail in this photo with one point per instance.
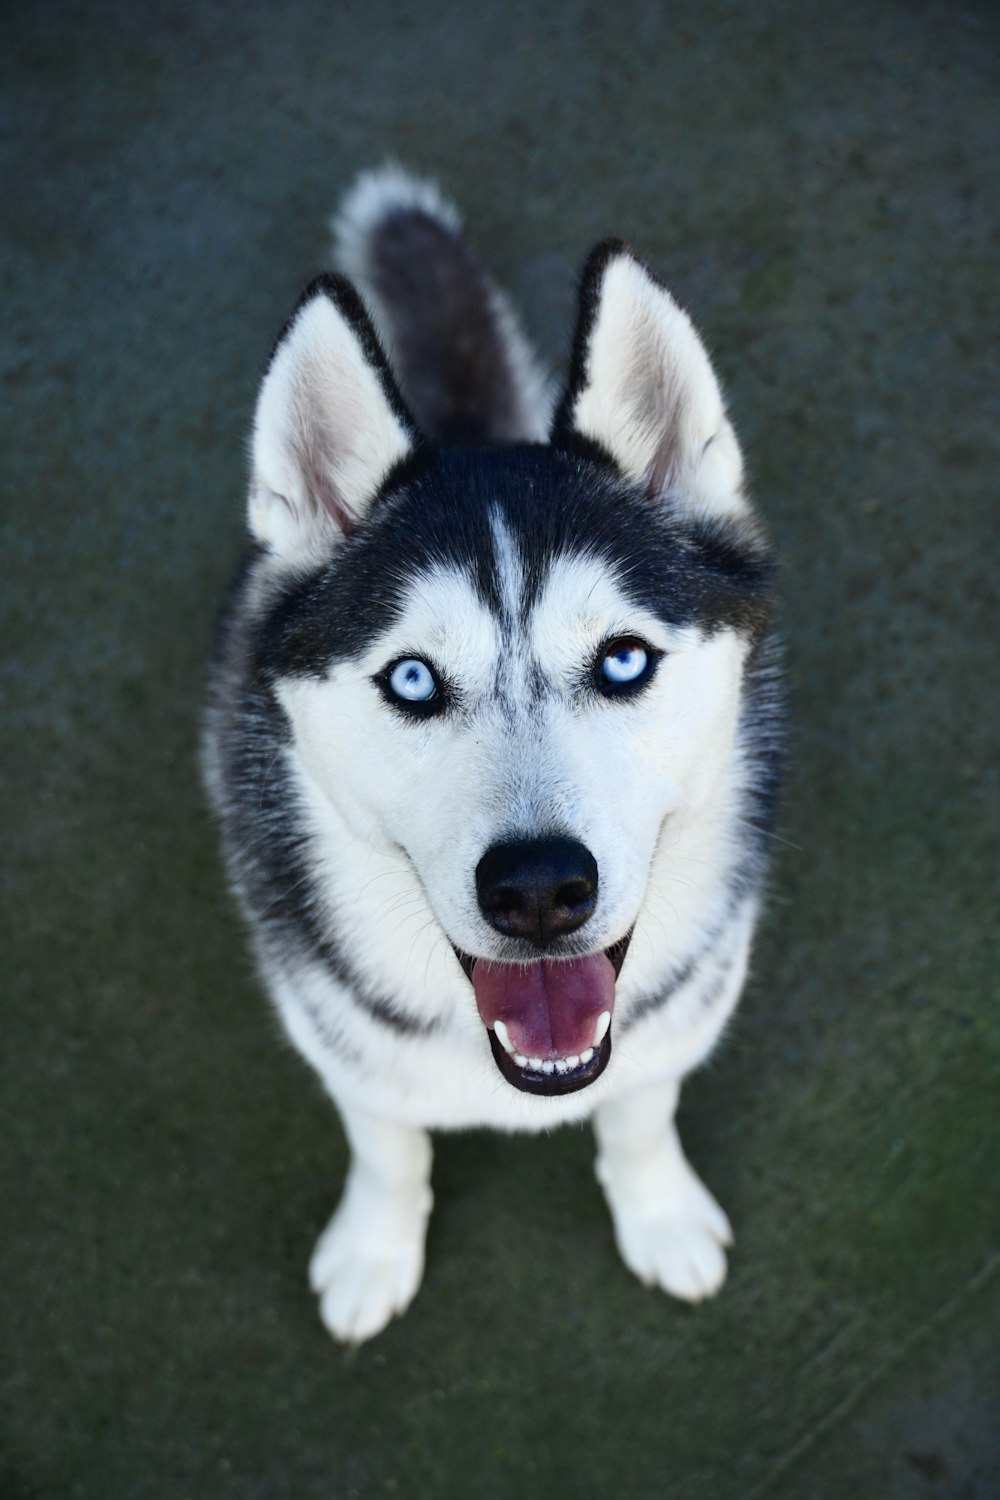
(465, 368)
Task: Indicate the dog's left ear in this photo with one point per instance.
(330, 426)
(643, 389)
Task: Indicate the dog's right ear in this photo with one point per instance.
(330, 426)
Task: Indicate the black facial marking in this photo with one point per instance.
(437, 510)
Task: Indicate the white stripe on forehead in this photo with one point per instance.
(509, 568)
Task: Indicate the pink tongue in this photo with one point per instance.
(549, 1009)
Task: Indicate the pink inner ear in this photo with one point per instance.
(325, 497)
(669, 408)
(656, 478)
(312, 445)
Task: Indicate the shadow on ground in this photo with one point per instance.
(817, 185)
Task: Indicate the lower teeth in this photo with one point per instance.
(557, 1065)
(549, 1065)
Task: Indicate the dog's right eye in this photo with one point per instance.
(411, 684)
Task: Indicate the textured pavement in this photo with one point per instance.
(819, 186)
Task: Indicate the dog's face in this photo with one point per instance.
(564, 707)
(514, 668)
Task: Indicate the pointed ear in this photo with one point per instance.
(642, 388)
(330, 425)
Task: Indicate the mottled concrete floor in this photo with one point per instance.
(819, 185)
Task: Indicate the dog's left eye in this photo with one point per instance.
(624, 665)
(412, 680)
(412, 685)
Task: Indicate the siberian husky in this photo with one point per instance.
(493, 734)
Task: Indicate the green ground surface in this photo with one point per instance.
(819, 185)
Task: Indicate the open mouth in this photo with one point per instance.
(549, 1021)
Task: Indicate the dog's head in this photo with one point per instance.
(511, 669)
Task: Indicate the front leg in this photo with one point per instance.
(670, 1230)
(369, 1260)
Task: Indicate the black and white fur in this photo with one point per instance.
(418, 502)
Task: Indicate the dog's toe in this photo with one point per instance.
(676, 1238)
(362, 1284)
(365, 1294)
(688, 1262)
(682, 1255)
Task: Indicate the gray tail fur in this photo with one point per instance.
(466, 370)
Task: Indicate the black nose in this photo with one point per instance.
(537, 888)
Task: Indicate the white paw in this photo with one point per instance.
(362, 1283)
(678, 1243)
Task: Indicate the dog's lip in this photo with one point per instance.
(615, 954)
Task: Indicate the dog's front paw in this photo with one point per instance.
(675, 1238)
(363, 1281)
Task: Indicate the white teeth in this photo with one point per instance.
(503, 1038)
(603, 1022)
(550, 1065)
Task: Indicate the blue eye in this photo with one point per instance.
(412, 681)
(624, 664)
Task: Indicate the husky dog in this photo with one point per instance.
(493, 735)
